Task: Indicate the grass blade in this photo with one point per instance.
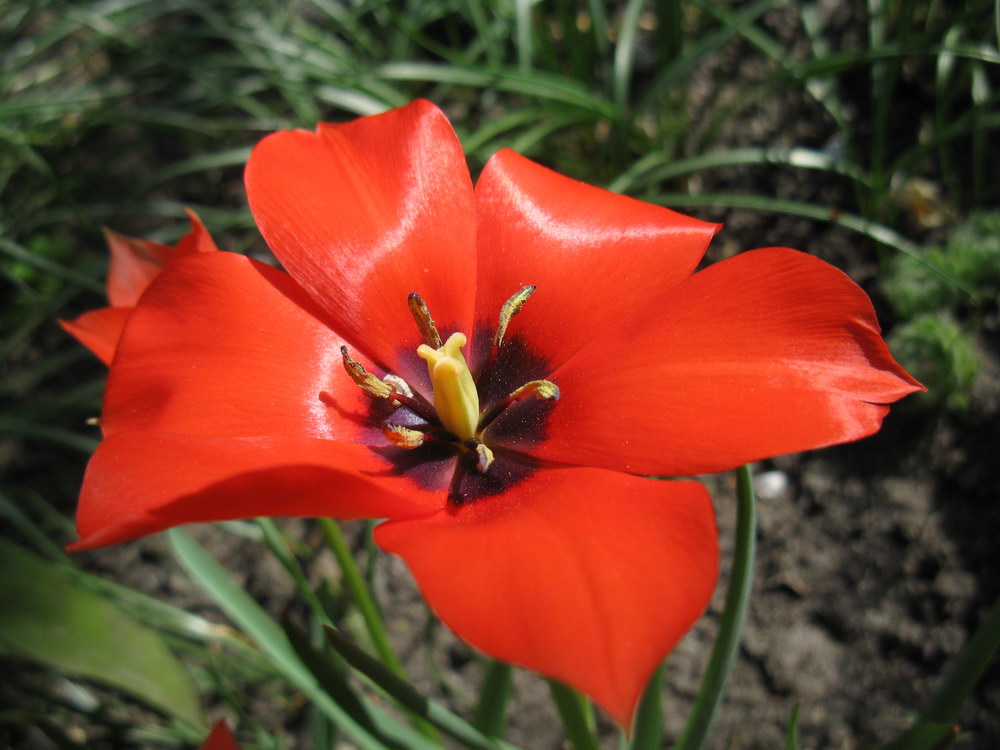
(409, 698)
(648, 729)
(256, 623)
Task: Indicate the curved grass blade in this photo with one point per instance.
(332, 676)
(256, 623)
(410, 698)
(537, 83)
(659, 166)
(942, 709)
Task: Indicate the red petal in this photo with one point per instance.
(593, 255)
(222, 345)
(363, 213)
(99, 330)
(220, 738)
(135, 262)
(134, 265)
(198, 240)
(766, 353)
(140, 483)
(584, 575)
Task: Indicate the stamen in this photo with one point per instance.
(511, 308)
(543, 390)
(364, 379)
(399, 384)
(405, 437)
(421, 314)
(484, 458)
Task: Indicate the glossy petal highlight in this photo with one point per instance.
(769, 352)
(363, 213)
(594, 255)
(584, 575)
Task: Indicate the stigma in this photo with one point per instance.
(456, 399)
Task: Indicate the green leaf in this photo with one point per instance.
(47, 616)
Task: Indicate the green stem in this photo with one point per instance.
(968, 668)
(577, 716)
(649, 719)
(491, 712)
(278, 543)
(355, 584)
(731, 624)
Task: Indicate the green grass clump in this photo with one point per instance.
(937, 339)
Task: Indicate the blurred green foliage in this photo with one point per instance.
(970, 254)
(941, 354)
(937, 339)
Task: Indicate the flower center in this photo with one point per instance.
(453, 420)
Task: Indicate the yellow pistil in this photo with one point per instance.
(456, 399)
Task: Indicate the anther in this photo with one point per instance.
(421, 314)
(543, 390)
(511, 308)
(399, 384)
(364, 379)
(405, 437)
(484, 458)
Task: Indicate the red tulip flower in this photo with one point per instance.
(134, 264)
(220, 738)
(398, 369)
